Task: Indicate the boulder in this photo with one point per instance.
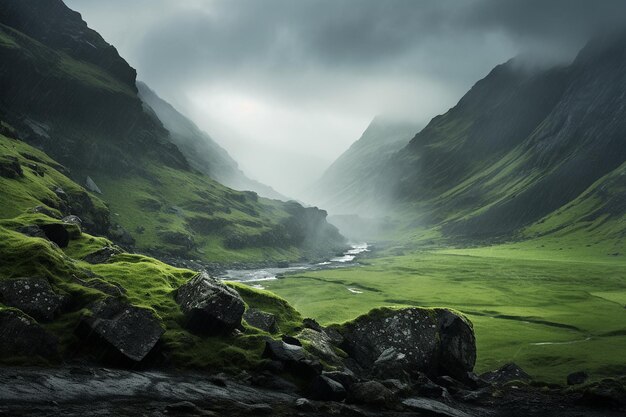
(293, 358)
(345, 377)
(10, 167)
(128, 330)
(507, 373)
(34, 296)
(72, 219)
(32, 231)
(210, 307)
(22, 336)
(326, 389)
(433, 408)
(577, 378)
(320, 345)
(370, 392)
(261, 320)
(290, 340)
(284, 352)
(435, 341)
(102, 255)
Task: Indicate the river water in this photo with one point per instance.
(256, 276)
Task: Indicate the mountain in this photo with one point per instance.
(521, 145)
(203, 153)
(345, 182)
(69, 93)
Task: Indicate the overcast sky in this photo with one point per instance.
(287, 85)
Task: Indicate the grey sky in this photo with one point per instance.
(287, 85)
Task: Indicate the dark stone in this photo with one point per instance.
(476, 396)
(606, 393)
(32, 231)
(210, 307)
(290, 340)
(56, 233)
(72, 219)
(129, 330)
(180, 239)
(22, 336)
(396, 386)
(345, 378)
(183, 407)
(370, 392)
(34, 296)
(450, 383)
(326, 389)
(10, 167)
(284, 352)
(102, 255)
(261, 320)
(435, 341)
(427, 388)
(433, 408)
(577, 378)
(507, 373)
(45, 210)
(304, 404)
(274, 382)
(36, 168)
(320, 345)
(312, 324)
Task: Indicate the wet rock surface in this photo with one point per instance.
(33, 296)
(210, 307)
(80, 392)
(261, 320)
(434, 341)
(131, 331)
(22, 336)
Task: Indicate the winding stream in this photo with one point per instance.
(255, 276)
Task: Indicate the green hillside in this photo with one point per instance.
(83, 110)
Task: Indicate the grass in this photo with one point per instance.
(536, 311)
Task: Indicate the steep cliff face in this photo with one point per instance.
(67, 92)
(203, 153)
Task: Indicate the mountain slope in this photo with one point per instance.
(345, 182)
(203, 153)
(68, 92)
(520, 145)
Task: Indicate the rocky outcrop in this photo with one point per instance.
(102, 255)
(33, 296)
(210, 307)
(434, 341)
(128, 330)
(22, 336)
(507, 373)
(10, 167)
(261, 320)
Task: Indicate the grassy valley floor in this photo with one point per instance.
(552, 310)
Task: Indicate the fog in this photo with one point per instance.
(286, 86)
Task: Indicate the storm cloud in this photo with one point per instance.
(285, 86)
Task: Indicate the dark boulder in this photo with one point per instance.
(34, 296)
(102, 255)
(261, 320)
(72, 219)
(433, 408)
(507, 373)
(121, 236)
(577, 378)
(284, 352)
(320, 345)
(434, 341)
(325, 389)
(22, 336)
(182, 240)
(290, 340)
(294, 359)
(128, 330)
(370, 392)
(10, 167)
(57, 233)
(312, 324)
(606, 393)
(345, 377)
(210, 307)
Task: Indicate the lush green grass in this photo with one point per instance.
(516, 301)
